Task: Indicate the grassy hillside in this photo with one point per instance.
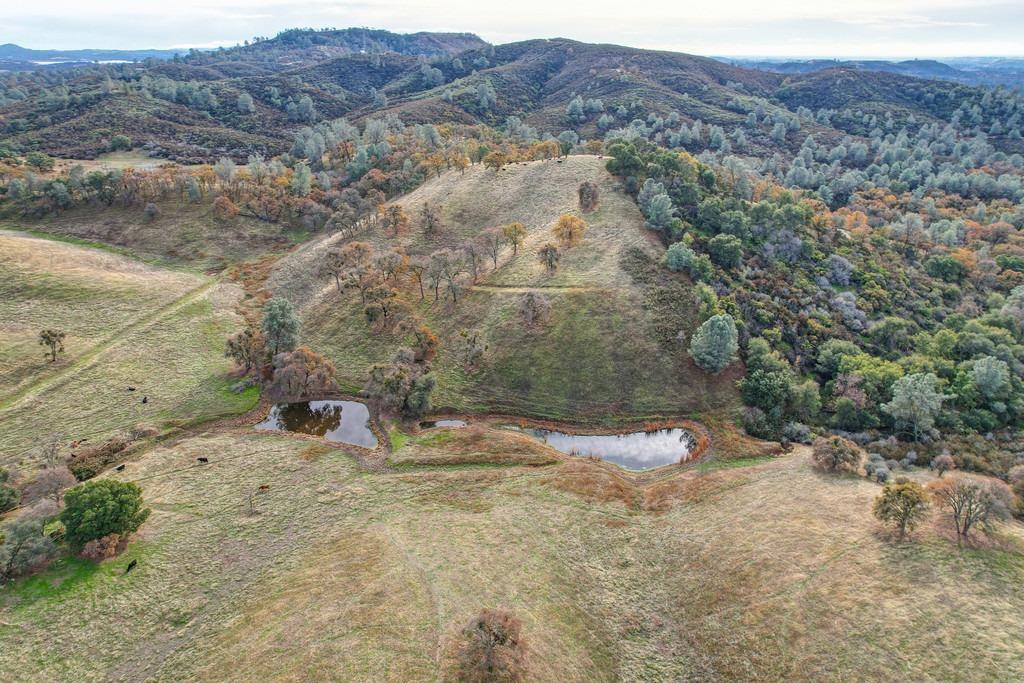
(182, 234)
(609, 350)
(127, 324)
(766, 572)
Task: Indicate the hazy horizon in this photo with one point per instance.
(795, 29)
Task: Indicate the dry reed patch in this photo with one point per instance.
(689, 487)
(595, 481)
(474, 445)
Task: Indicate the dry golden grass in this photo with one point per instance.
(764, 573)
(90, 294)
(128, 324)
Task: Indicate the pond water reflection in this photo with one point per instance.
(632, 451)
(339, 421)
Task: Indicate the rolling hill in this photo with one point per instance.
(424, 78)
(610, 349)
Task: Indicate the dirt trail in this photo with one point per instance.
(515, 289)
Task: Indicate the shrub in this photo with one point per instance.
(682, 259)
(902, 504)
(756, 423)
(726, 251)
(836, 454)
(943, 464)
(588, 196)
(534, 309)
(492, 649)
(224, 209)
(88, 462)
(104, 548)
(120, 143)
(98, 508)
(8, 494)
(549, 256)
(798, 432)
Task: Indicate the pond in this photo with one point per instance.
(631, 451)
(340, 421)
(430, 424)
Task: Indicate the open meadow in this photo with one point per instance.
(128, 324)
(768, 571)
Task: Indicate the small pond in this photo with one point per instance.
(632, 451)
(430, 424)
(340, 421)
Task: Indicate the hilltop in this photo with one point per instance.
(610, 349)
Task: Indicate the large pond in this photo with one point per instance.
(341, 421)
(632, 450)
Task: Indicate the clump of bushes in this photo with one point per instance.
(836, 454)
(88, 462)
(877, 468)
(24, 547)
(8, 494)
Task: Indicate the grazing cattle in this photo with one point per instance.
(145, 400)
(131, 388)
(202, 461)
(131, 566)
(120, 468)
(264, 487)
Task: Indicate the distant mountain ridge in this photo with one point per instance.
(973, 71)
(12, 52)
(254, 98)
(290, 48)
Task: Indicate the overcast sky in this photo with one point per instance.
(854, 28)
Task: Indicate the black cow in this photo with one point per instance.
(202, 461)
(131, 566)
(120, 468)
